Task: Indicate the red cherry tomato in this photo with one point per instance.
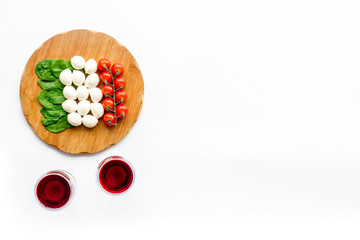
(121, 111)
(117, 69)
(108, 104)
(103, 62)
(120, 97)
(108, 91)
(106, 76)
(109, 119)
(119, 83)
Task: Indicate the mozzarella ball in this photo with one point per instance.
(78, 62)
(83, 107)
(66, 77)
(91, 66)
(95, 94)
(82, 93)
(97, 110)
(92, 80)
(89, 121)
(69, 92)
(74, 119)
(78, 77)
(69, 106)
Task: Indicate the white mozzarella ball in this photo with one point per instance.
(69, 106)
(82, 93)
(95, 94)
(74, 119)
(97, 110)
(66, 77)
(69, 92)
(78, 77)
(92, 80)
(83, 107)
(91, 66)
(89, 121)
(78, 62)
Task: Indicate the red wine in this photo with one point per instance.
(53, 190)
(115, 175)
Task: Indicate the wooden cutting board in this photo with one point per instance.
(88, 44)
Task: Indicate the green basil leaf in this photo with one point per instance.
(53, 113)
(50, 85)
(55, 128)
(59, 126)
(64, 122)
(43, 100)
(48, 121)
(43, 70)
(55, 96)
(59, 65)
(51, 98)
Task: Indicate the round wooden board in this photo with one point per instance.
(88, 44)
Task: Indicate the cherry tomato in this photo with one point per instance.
(121, 111)
(109, 119)
(120, 97)
(108, 104)
(119, 83)
(106, 76)
(107, 90)
(103, 62)
(117, 67)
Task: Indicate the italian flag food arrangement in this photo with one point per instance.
(70, 95)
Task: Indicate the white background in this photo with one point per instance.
(250, 127)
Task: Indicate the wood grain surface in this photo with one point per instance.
(88, 44)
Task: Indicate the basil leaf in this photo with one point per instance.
(59, 65)
(55, 128)
(43, 70)
(50, 85)
(51, 98)
(48, 121)
(64, 122)
(53, 113)
(47, 76)
(55, 96)
(60, 126)
(43, 100)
